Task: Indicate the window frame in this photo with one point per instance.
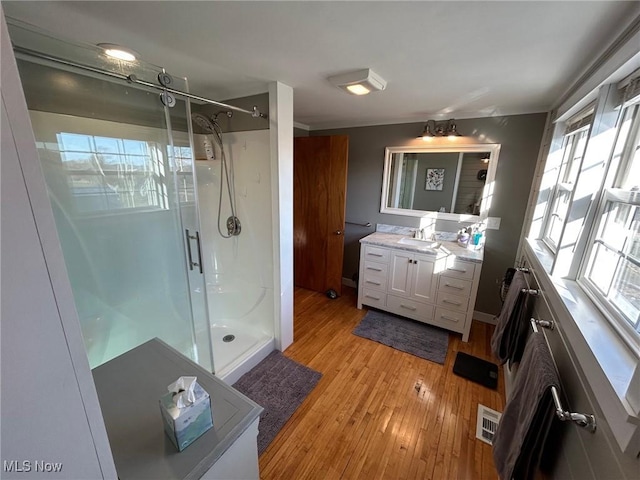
(562, 184)
(611, 193)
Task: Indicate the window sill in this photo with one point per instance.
(609, 367)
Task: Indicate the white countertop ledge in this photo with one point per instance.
(448, 248)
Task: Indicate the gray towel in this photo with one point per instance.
(527, 417)
(510, 334)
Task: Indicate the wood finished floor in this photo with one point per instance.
(378, 412)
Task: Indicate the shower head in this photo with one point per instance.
(203, 122)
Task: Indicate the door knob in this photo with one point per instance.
(338, 232)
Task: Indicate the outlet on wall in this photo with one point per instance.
(493, 223)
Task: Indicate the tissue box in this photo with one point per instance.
(184, 425)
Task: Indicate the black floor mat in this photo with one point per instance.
(477, 370)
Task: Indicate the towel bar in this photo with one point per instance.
(368, 224)
(531, 291)
(582, 420)
(544, 323)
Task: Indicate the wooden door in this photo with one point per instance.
(319, 193)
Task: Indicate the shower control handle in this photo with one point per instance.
(195, 237)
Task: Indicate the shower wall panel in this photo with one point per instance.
(238, 270)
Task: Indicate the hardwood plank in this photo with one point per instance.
(378, 412)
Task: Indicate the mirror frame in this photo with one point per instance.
(492, 148)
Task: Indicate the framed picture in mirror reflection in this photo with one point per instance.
(434, 179)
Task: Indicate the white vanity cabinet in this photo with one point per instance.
(438, 289)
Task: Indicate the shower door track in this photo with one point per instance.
(133, 79)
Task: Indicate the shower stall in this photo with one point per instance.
(137, 216)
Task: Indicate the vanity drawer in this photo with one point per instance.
(450, 319)
(376, 254)
(446, 300)
(373, 268)
(375, 276)
(454, 286)
(408, 308)
(459, 269)
(374, 298)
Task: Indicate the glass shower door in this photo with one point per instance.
(112, 174)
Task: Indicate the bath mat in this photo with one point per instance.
(477, 370)
(410, 336)
(279, 385)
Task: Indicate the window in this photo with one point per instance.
(612, 271)
(573, 148)
(106, 174)
(183, 161)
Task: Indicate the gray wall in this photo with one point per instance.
(519, 136)
(239, 122)
(300, 132)
(435, 199)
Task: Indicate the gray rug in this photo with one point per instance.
(410, 336)
(279, 385)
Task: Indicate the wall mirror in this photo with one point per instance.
(444, 182)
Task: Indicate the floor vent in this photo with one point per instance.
(487, 423)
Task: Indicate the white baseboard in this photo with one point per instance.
(349, 283)
(484, 317)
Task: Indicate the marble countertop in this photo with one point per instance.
(447, 247)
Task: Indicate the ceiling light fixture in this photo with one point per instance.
(116, 51)
(359, 82)
(445, 128)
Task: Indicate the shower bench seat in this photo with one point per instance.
(129, 388)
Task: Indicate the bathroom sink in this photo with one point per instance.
(421, 244)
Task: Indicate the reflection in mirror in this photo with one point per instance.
(448, 181)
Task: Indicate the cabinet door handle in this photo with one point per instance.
(408, 307)
(461, 270)
(373, 283)
(457, 287)
(374, 269)
(451, 302)
(371, 296)
(374, 254)
(451, 319)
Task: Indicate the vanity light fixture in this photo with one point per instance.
(445, 128)
(116, 51)
(359, 82)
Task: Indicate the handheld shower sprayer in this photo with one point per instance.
(211, 127)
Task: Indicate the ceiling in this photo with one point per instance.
(447, 59)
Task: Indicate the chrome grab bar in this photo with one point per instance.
(531, 291)
(581, 419)
(544, 323)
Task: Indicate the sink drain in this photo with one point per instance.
(228, 338)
